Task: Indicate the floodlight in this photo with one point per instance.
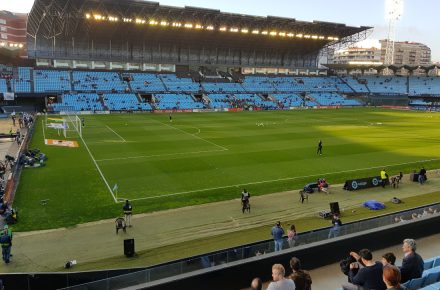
(153, 22)
(210, 27)
(255, 31)
(198, 26)
(265, 32)
(223, 28)
(315, 36)
(233, 29)
(307, 36)
(177, 24)
(2, 44)
(88, 16)
(164, 23)
(188, 25)
(283, 34)
(11, 44)
(290, 34)
(299, 35)
(393, 9)
(335, 38)
(273, 33)
(20, 45)
(321, 37)
(244, 30)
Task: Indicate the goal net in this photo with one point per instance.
(67, 126)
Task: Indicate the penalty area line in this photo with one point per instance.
(281, 179)
(159, 155)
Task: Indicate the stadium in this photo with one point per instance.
(179, 111)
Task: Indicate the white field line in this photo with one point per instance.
(195, 136)
(99, 169)
(116, 133)
(283, 179)
(158, 155)
(44, 132)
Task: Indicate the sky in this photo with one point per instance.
(418, 22)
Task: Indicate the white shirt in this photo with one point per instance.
(284, 284)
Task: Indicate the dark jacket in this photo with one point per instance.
(302, 280)
(369, 277)
(412, 267)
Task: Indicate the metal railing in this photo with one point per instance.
(247, 251)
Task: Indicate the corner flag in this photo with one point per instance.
(115, 187)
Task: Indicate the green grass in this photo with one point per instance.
(201, 158)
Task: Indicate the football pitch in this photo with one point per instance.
(206, 157)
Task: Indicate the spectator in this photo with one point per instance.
(384, 177)
(277, 234)
(335, 230)
(422, 175)
(412, 264)
(256, 284)
(388, 259)
(279, 282)
(302, 278)
(291, 236)
(128, 209)
(369, 273)
(6, 244)
(391, 277)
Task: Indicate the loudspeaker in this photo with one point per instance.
(129, 247)
(334, 208)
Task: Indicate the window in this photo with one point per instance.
(4, 36)
(2, 21)
(2, 28)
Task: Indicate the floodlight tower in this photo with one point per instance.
(393, 13)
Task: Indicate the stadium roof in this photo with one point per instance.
(135, 23)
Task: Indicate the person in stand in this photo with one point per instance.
(388, 259)
(277, 234)
(279, 282)
(302, 278)
(391, 277)
(384, 177)
(319, 151)
(257, 284)
(127, 208)
(334, 231)
(412, 263)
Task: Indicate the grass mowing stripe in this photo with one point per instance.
(283, 179)
(224, 148)
(159, 155)
(116, 133)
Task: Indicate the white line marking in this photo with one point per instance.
(116, 133)
(44, 132)
(99, 170)
(158, 155)
(193, 135)
(282, 179)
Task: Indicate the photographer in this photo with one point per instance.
(365, 274)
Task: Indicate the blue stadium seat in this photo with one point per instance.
(427, 264)
(415, 284)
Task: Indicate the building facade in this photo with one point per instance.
(13, 31)
(405, 53)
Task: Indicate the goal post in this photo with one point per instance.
(76, 123)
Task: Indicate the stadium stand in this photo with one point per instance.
(288, 100)
(220, 101)
(146, 82)
(220, 88)
(179, 85)
(89, 81)
(127, 102)
(333, 99)
(424, 86)
(78, 102)
(3, 85)
(386, 84)
(51, 81)
(176, 101)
